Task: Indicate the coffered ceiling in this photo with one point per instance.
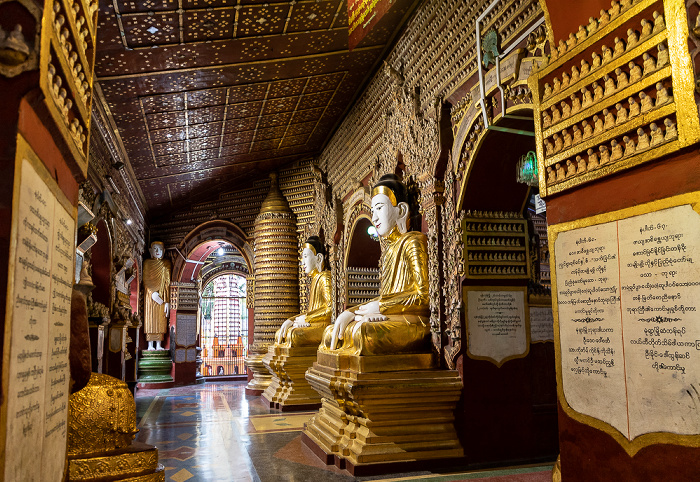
(210, 94)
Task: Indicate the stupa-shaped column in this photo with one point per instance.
(276, 289)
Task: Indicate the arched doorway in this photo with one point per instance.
(362, 262)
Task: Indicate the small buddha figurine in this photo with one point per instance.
(671, 132)
(597, 125)
(621, 76)
(614, 9)
(609, 119)
(575, 75)
(592, 159)
(398, 320)
(632, 38)
(615, 150)
(662, 96)
(587, 97)
(546, 119)
(561, 48)
(570, 168)
(575, 103)
(548, 148)
(568, 140)
(565, 80)
(556, 115)
(585, 68)
(619, 47)
(646, 101)
(604, 155)
(607, 54)
(551, 175)
(547, 90)
(634, 107)
(659, 24)
(597, 92)
(646, 28)
(307, 329)
(565, 110)
(635, 72)
(642, 139)
(649, 64)
(603, 18)
(662, 57)
(592, 25)
(629, 146)
(581, 34)
(609, 83)
(587, 130)
(577, 134)
(625, 4)
(580, 164)
(558, 143)
(657, 136)
(572, 41)
(620, 114)
(561, 172)
(557, 85)
(596, 62)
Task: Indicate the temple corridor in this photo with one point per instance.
(214, 432)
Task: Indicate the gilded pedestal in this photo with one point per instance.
(101, 430)
(289, 389)
(378, 411)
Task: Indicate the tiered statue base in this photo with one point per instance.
(289, 390)
(136, 463)
(155, 367)
(383, 414)
(261, 377)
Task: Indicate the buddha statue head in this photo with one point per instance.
(390, 205)
(313, 255)
(157, 249)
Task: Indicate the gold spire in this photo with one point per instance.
(275, 200)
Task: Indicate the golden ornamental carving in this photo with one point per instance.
(101, 417)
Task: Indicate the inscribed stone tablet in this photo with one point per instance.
(541, 324)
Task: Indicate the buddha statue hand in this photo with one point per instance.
(283, 330)
(156, 297)
(369, 312)
(300, 322)
(339, 327)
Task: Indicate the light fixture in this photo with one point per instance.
(128, 221)
(220, 251)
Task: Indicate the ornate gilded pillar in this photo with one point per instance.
(276, 290)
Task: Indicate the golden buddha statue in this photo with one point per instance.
(156, 283)
(307, 329)
(396, 321)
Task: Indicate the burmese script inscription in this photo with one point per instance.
(37, 391)
(541, 324)
(628, 294)
(496, 324)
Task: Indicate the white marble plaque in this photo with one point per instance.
(541, 324)
(496, 324)
(38, 316)
(628, 293)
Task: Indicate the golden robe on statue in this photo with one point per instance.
(156, 278)
(318, 316)
(403, 299)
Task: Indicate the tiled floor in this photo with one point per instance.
(214, 432)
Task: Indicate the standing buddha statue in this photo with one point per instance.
(156, 283)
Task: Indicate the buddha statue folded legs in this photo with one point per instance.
(296, 341)
(384, 400)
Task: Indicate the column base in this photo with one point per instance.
(374, 420)
(261, 377)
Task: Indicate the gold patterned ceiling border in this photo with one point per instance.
(631, 104)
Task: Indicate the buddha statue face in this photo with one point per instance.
(156, 250)
(311, 261)
(385, 215)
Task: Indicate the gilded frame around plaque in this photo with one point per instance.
(636, 444)
(526, 314)
(23, 152)
(679, 72)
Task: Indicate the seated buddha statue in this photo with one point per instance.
(307, 329)
(398, 320)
